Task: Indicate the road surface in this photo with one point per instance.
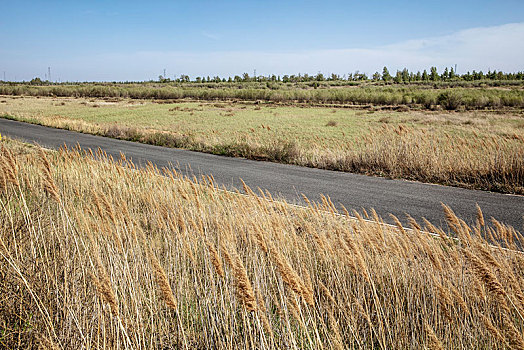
(351, 190)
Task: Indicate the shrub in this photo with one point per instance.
(449, 100)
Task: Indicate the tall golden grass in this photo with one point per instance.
(493, 163)
(98, 254)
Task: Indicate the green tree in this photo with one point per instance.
(38, 81)
(385, 74)
(445, 74)
(425, 76)
(405, 75)
(452, 73)
(398, 77)
(433, 75)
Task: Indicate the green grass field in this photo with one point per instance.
(220, 122)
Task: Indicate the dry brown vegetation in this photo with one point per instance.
(490, 163)
(97, 254)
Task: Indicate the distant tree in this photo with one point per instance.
(285, 79)
(398, 77)
(433, 75)
(36, 81)
(385, 74)
(425, 76)
(418, 77)
(377, 76)
(245, 77)
(452, 74)
(445, 74)
(357, 76)
(405, 75)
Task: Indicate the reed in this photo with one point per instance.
(147, 258)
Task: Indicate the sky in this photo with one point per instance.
(137, 40)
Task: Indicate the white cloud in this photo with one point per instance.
(498, 47)
(213, 36)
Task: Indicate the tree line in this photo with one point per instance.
(401, 76)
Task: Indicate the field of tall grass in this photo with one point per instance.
(411, 95)
(98, 254)
(481, 150)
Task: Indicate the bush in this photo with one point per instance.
(449, 100)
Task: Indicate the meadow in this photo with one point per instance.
(98, 254)
(482, 149)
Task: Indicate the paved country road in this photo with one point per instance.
(352, 190)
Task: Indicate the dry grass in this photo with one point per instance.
(482, 150)
(98, 254)
(488, 163)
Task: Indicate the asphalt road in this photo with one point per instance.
(352, 190)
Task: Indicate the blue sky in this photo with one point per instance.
(136, 40)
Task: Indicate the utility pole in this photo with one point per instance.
(455, 68)
(49, 73)
(4, 76)
(254, 74)
(164, 73)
